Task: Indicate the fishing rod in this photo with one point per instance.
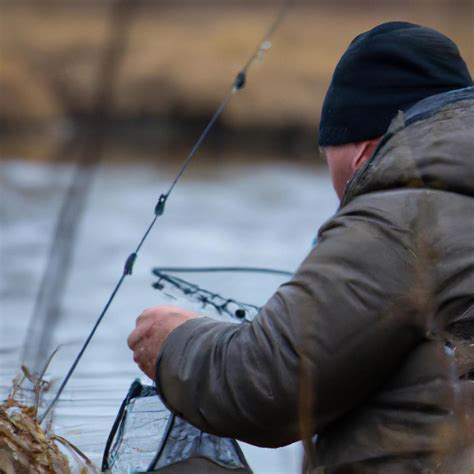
(237, 85)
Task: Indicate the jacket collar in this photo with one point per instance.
(428, 146)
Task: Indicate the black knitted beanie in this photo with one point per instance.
(384, 70)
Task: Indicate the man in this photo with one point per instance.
(370, 345)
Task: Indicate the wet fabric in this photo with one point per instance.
(137, 433)
(184, 445)
(198, 466)
(146, 437)
(358, 347)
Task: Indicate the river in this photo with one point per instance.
(263, 214)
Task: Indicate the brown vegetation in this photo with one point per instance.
(25, 447)
(182, 56)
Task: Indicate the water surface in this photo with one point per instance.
(237, 214)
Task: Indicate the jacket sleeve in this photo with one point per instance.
(350, 312)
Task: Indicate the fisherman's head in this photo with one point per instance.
(384, 70)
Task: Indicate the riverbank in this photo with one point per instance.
(177, 60)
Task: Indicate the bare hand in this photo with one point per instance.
(153, 326)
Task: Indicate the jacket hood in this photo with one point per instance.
(430, 146)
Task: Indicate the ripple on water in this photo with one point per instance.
(265, 215)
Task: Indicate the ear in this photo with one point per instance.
(360, 155)
(363, 151)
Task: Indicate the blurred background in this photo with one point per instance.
(100, 102)
(171, 63)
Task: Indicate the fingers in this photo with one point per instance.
(152, 328)
(137, 334)
(136, 357)
(134, 338)
(143, 324)
(146, 313)
(144, 359)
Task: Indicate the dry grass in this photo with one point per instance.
(186, 56)
(27, 448)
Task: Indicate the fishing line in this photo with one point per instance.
(223, 306)
(270, 271)
(237, 85)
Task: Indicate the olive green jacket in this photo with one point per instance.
(354, 347)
